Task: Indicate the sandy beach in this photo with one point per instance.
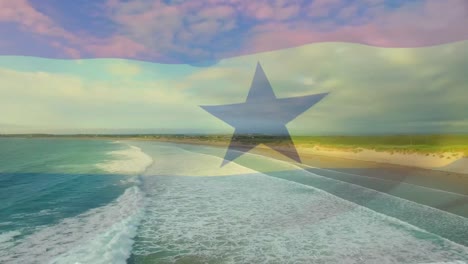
(174, 203)
(447, 161)
(380, 175)
(454, 162)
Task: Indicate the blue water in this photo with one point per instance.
(43, 181)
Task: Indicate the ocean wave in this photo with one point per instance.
(101, 235)
(33, 214)
(176, 161)
(129, 161)
(454, 262)
(257, 218)
(260, 219)
(6, 239)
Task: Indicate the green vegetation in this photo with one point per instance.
(390, 143)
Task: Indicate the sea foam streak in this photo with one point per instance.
(170, 159)
(6, 239)
(128, 161)
(255, 218)
(101, 235)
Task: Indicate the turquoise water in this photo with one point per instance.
(97, 201)
(46, 181)
(43, 181)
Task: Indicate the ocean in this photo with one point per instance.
(105, 201)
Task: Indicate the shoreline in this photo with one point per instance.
(449, 162)
(393, 179)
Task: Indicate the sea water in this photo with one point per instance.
(68, 201)
(92, 201)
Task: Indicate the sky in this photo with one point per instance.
(146, 66)
(201, 32)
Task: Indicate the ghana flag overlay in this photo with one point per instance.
(388, 66)
(233, 131)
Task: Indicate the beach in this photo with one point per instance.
(279, 212)
(380, 176)
(145, 201)
(448, 161)
(446, 153)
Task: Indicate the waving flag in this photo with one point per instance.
(342, 125)
(408, 77)
(385, 66)
(204, 32)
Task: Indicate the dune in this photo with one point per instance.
(447, 161)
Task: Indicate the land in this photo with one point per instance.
(439, 152)
(434, 143)
(387, 164)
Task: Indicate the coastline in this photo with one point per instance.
(446, 161)
(384, 177)
(451, 162)
(443, 190)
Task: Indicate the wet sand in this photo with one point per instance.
(446, 191)
(447, 181)
(434, 201)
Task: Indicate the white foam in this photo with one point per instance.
(34, 214)
(130, 180)
(5, 223)
(129, 161)
(169, 159)
(101, 235)
(259, 219)
(6, 239)
(452, 262)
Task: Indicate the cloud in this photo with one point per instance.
(122, 68)
(204, 32)
(282, 24)
(410, 25)
(372, 90)
(56, 100)
(23, 13)
(114, 47)
(322, 8)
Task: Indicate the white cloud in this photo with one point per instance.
(122, 68)
(371, 89)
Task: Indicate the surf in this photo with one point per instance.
(101, 234)
(255, 217)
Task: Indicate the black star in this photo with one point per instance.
(262, 113)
